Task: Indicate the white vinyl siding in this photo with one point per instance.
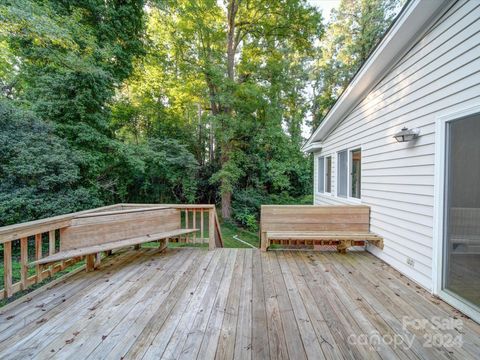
(439, 75)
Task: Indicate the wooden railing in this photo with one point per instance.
(41, 238)
(200, 216)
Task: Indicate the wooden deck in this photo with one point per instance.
(235, 303)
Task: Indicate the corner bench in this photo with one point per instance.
(343, 226)
(93, 233)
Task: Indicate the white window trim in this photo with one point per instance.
(348, 198)
(317, 158)
(439, 207)
(349, 178)
(325, 192)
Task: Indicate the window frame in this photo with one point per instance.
(317, 187)
(350, 173)
(324, 174)
(326, 157)
(349, 198)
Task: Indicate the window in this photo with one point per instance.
(349, 173)
(320, 173)
(342, 173)
(355, 173)
(328, 175)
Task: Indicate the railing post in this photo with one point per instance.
(211, 228)
(7, 268)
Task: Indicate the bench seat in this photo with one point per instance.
(94, 249)
(340, 225)
(342, 239)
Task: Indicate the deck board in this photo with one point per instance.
(231, 303)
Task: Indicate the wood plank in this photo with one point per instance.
(340, 320)
(319, 322)
(127, 330)
(410, 305)
(202, 343)
(370, 292)
(260, 347)
(171, 310)
(67, 254)
(226, 342)
(243, 335)
(276, 336)
(87, 333)
(303, 320)
(293, 339)
(52, 304)
(177, 340)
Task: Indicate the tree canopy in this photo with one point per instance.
(169, 101)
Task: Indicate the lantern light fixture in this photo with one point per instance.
(407, 135)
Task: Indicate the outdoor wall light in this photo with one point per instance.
(407, 135)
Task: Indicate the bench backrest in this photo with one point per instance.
(103, 227)
(314, 218)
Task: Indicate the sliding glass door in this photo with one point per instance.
(461, 234)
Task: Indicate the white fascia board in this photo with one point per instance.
(413, 22)
(312, 147)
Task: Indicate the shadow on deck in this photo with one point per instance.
(236, 303)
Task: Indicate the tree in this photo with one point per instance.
(354, 30)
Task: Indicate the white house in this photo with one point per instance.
(424, 194)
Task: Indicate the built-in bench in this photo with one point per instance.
(310, 225)
(93, 233)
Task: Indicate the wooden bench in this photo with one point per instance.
(93, 233)
(342, 226)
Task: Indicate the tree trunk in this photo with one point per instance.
(231, 49)
(227, 205)
(231, 46)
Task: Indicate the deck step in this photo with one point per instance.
(68, 254)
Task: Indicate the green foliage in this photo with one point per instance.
(354, 30)
(177, 101)
(39, 172)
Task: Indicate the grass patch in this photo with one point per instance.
(230, 231)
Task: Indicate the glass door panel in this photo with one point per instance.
(461, 263)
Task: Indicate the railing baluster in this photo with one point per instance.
(24, 263)
(202, 234)
(194, 225)
(51, 242)
(211, 229)
(7, 268)
(38, 256)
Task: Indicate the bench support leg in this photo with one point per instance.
(162, 244)
(90, 262)
(136, 247)
(343, 246)
(98, 260)
(264, 241)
